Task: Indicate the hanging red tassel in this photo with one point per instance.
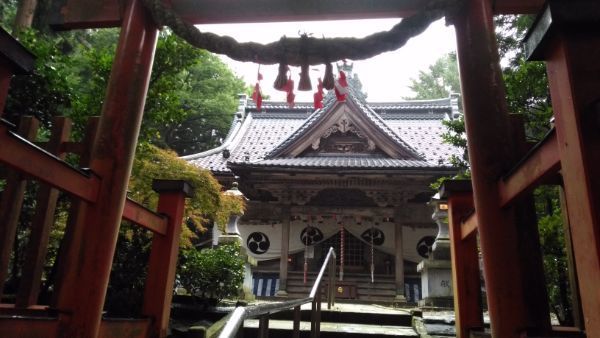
(341, 87)
(256, 94)
(318, 96)
(289, 88)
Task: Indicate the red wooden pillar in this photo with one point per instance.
(111, 159)
(492, 153)
(567, 38)
(162, 264)
(465, 259)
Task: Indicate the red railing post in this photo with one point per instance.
(12, 201)
(46, 199)
(465, 259)
(162, 263)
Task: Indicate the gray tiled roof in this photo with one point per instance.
(416, 125)
(347, 162)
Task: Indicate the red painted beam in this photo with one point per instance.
(468, 227)
(124, 328)
(48, 327)
(26, 157)
(140, 215)
(541, 163)
(28, 327)
(69, 14)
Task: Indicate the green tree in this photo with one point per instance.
(212, 273)
(438, 81)
(210, 103)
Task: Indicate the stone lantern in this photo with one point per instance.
(436, 273)
(232, 224)
(232, 235)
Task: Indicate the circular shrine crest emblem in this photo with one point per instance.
(378, 236)
(311, 235)
(258, 243)
(424, 246)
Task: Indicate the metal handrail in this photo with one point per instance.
(237, 317)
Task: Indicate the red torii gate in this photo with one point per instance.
(514, 310)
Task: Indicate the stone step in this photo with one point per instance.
(283, 328)
(395, 318)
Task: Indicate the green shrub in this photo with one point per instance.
(212, 273)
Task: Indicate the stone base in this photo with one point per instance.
(437, 302)
(436, 283)
(224, 239)
(281, 293)
(399, 300)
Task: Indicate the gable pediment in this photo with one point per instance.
(346, 128)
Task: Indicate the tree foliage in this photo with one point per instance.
(214, 273)
(438, 81)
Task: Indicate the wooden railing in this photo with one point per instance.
(235, 320)
(44, 162)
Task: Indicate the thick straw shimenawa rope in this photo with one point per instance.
(303, 50)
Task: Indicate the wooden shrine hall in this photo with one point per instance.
(489, 215)
(354, 175)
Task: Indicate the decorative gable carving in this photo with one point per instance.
(343, 137)
(345, 128)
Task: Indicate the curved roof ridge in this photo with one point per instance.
(444, 99)
(233, 137)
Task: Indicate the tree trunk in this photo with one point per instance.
(25, 14)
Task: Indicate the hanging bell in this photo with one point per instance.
(282, 77)
(328, 80)
(304, 83)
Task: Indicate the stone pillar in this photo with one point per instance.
(436, 270)
(399, 259)
(285, 248)
(246, 292)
